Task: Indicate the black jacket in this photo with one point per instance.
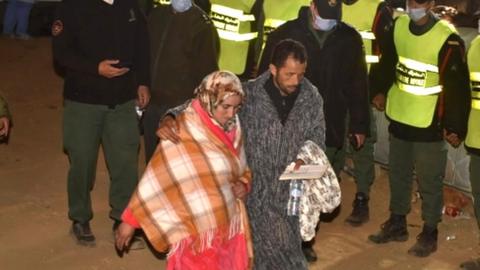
(454, 102)
(87, 32)
(184, 49)
(338, 70)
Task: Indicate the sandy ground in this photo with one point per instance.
(33, 223)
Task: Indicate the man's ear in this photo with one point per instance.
(273, 69)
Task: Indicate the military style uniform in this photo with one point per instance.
(99, 110)
(184, 49)
(363, 159)
(426, 78)
(472, 142)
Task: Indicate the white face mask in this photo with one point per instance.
(416, 14)
(181, 5)
(324, 24)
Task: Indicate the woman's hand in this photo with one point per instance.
(123, 235)
(239, 190)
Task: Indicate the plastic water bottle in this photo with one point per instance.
(296, 190)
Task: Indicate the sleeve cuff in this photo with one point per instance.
(130, 219)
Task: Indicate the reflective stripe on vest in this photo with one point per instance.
(162, 2)
(475, 81)
(363, 23)
(413, 97)
(232, 24)
(369, 37)
(473, 134)
(278, 12)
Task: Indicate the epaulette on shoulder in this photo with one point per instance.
(206, 18)
(204, 15)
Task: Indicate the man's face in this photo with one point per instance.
(288, 77)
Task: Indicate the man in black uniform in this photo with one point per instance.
(103, 47)
(337, 67)
(184, 49)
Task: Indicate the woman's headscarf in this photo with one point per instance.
(215, 88)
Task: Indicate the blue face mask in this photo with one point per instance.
(181, 5)
(324, 24)
(416, 14)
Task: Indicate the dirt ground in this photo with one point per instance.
(33, 223)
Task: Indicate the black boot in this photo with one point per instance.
(83, 234)
(426, 242)
(394, 229)
(360, 212)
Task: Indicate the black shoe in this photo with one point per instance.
(310, 254)
(394, 229)
(471, 265)
(83, 234)
(360, 212)
(426, 242)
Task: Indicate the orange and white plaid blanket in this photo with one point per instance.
(185, 192)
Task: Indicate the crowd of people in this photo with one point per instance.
(228, 95)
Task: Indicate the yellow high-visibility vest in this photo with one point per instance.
(473, 56)
(361, 15)
(161, 2)
(413, 97)
(278, 12)
(233, 21)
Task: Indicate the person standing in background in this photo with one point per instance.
(16, 18)
(472, 142)
(363, 160)
(426, 79)
(103, 47)
(378, 19)
(236, 23)
(184, 48)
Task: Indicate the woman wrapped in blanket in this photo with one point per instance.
(190, 198)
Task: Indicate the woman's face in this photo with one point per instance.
(227, 109)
